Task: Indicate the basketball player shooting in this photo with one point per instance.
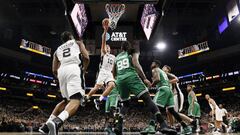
(69, 67)
(105, 75)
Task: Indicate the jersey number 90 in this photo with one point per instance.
(123, 64)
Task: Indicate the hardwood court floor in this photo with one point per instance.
(97, 133)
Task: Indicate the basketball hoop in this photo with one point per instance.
(114, 12)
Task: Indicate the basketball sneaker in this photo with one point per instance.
(109, 131)
(54, 125)
(118, 125)
(150, 129)
(187, 130)
(43, 129)
(97, 103)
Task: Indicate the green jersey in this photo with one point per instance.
(124, 66)
(190, 97)
(164, 81)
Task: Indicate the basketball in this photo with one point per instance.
(105, 22)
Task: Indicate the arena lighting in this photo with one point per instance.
(216, 76)
(229, 88)
(53, 84)
(39, 75)
(190, 75)
(51, 96)
(199, 94)
(230, 73)
(236, 72)
(140, 101)
(209, 78)
(161, 46)
(35, 107)
(3, 89)
(15, 77)
(29, 94)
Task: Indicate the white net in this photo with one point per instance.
(114, 12)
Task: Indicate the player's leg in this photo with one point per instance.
(170, 107)
(99, 83)
(197, 114)
(110, 86)
(139, 89)
(57, 110)
(219, 119)
(124, 96)
(74, 93)
(107, 91)
(110, 109)
(93, 90)
(170, 118)
(59, 107)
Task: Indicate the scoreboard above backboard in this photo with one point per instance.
(118, 1)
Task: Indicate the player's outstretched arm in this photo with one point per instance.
(139, 70)
(114, 70)
(173, 78)
(103, 47)
(193, 98)
(55, 64)
(84, 52)
(155, 76)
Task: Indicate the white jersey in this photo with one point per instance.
(107, 62)
(69, 53)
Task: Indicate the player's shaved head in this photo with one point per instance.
(155, 63)
(158, 63)
(65, 36)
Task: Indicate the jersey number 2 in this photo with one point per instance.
(66, 52)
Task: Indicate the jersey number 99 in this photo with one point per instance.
(123, 64)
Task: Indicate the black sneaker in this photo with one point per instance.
(167, 130)
(43, 129)
(118, 126)
(54, 125)
(97, 103)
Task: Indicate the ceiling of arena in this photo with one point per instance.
(184, 22)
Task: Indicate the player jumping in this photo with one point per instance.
(70, 62)
(105, 73)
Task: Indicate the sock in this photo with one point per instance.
(51, 117)
(101, 98)
(63, 115)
